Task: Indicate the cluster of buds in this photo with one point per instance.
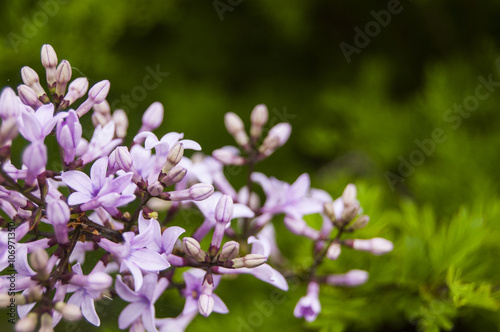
(91, 211)
(252, 145)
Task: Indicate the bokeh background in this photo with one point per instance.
(399, 97)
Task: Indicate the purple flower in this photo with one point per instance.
(98, 190)
(58, 215)
(162, 243)
(194, 289)
(141, 302)
(135, 255)
(260, 246)
(207, 208)
(69, 135)
(309, 306)
(35, 159)
(151, 170)
(101, 143)
(88, 288)
(35, 126)
(296, 198)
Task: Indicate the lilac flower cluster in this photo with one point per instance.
(105, 197)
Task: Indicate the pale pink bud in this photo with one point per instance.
(349, 194)
(63, 76)
(38, 260)
(99, 91)
(236, 128)
(31, 79)
(28, 96)
(228, 157)
(333, 251)
(8, 131)
(28, 323)
(155, 188)
(77, 89)
(249, 261)
(152, 117)
(376, 246)
(192, 248)
(121, 122)
(174, 176)
(351, 278)
(361, 222)
(258, 119)
(70, 312)
(49, 61)
(229, 251)
(277, 136)
(174, 156)
(46, 323)
(197, 192)
(102, 108)
(9, 104)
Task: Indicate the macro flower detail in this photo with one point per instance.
(98, 189)
(141, 301)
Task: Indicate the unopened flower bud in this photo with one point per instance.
(277, 136)
(228, 157)
(49, 61)
(9, 104)
(192, 248)
(376, 246)
(58, 214)
(258, 118)
(333, 251)
(174, 156)
(31, 79)
(28, 323)
(349, 213)
(229, 251)
(155, 188)
(28, 96)
(123, 158)
(63, 76)
(152, 117)
(361, 222)
(99, 119)
(121, 122)
(70, 312)
(8, 131)
(99, 91)
(38, 260)
(205, 304)
(77, 89)
(223, 214)
(349, 194)
(174, 176)
(103, 108)
(197, 192)
(46, 323)
(249, 261)
(351, 278)
(329, 210)
(236, 128)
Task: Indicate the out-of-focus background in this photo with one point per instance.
(400, 97)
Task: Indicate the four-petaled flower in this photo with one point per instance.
(141, 301)
(99, 189)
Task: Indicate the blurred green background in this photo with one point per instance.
(401, 98)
